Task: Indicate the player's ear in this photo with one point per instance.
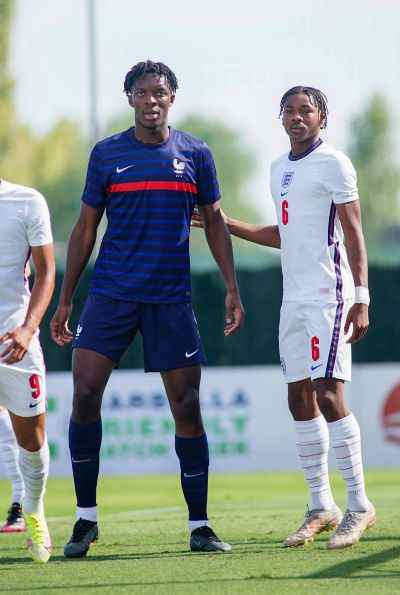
(172, 98)
(130, 99)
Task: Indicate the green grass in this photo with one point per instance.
(143, 542)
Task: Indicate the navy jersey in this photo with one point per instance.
(148, 192)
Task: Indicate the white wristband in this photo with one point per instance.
(362, 295)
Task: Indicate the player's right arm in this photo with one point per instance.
(19, 338)
(80, 247)
(264, 235)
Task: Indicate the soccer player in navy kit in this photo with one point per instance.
(148, 179)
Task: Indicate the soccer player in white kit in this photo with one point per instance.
(25, 231)
(324, 310)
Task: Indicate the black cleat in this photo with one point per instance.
(84, 534)
(15, 522)
(204, 539)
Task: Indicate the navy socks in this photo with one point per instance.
(84, 446)
(194, 461)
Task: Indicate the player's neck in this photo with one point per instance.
(300, 147)
(151, 136)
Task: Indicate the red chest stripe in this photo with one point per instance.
(136, 186)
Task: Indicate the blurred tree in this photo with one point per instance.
(7, 112)
(53, 163)
(60, 163)
(371, 151)
(235, 163)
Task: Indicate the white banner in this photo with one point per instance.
(245, 411)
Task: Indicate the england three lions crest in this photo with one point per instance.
(287, 179)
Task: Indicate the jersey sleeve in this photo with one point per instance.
(341, 181)
(95, 191)
(207, 181)
(38, 226)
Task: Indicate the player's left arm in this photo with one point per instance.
(219, 241)
(350, 219)
(42, 290)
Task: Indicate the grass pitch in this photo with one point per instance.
(143, 546)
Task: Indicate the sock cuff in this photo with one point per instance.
(192, 451)
(318, 424)
(342, 427)
(85, 437)
(34, 454)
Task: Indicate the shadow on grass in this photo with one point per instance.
(350, 567)
(80, 587)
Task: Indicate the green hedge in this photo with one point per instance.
(257, 343)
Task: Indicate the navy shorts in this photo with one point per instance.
(171, 337)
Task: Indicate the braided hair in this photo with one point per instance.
(317, 98)
(142, 68)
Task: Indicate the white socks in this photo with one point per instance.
(196, 524)
(312, 442)
(346, 442)
(9, 455)
(89, 514)
(35, 469)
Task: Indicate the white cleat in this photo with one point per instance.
(351, 528)
(39, 542)
(315, 522)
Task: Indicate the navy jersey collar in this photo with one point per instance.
(309, 150)
(131, 134)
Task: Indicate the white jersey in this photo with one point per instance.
(305, 191)
(24, 222)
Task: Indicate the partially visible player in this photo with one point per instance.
(25, 231)
(9, 456)
(324, 309)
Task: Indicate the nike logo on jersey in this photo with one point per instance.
(31, 405)
(193, 475)
(187, 355)
(315, 367)
(284, 193)
(119, 170)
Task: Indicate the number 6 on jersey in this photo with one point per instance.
(285, 212)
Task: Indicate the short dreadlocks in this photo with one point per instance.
(142, 68)
(317, 97)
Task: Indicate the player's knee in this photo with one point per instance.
(86, 403)
(186, 407)
(33, 441)
(328, 405)
(301, 406)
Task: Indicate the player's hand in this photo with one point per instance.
(17, 344)
(60, 332)
(358, 317)
(197, 221)
(234, 316)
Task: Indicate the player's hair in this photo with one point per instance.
(142, 68)
(317, 97)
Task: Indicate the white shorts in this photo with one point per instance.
(23, 385)
(312, 343)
